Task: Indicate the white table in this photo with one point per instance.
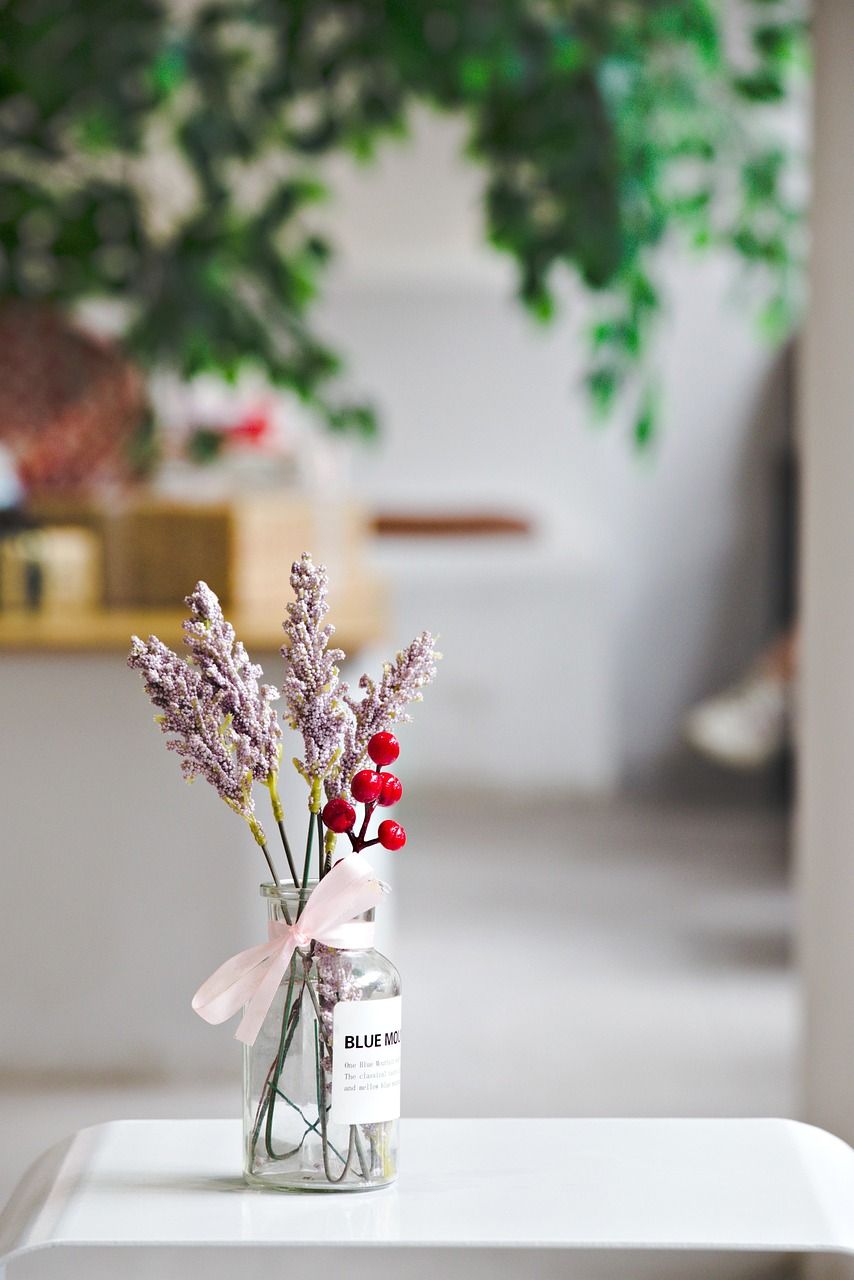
(576, 1197)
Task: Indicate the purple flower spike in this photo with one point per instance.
(312, 690)
(225, 666)
(384, 701)
(191, 711)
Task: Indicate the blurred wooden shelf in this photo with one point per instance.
(359, 621)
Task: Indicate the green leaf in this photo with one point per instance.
(760, 86)
(603, 383)
(645, 428)
(169, 70)
(777, 319)
(475, 74)
(205, 445)
(568, 53)
(780, 43)
(761, 174)
(96, 131)
(360, 419)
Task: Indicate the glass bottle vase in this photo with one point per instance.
(321, 1083)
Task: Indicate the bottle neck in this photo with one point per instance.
(356, 935)
(285, 905)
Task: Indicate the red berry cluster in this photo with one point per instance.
(370, 787)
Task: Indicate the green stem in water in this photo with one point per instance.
(311, 1126)
(356, 1136)
(321, 1111)
(266, 1094)
(280, 1059)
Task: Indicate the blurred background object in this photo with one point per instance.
(227, 337)
(748, 725)
(55, 569)
(70, 404)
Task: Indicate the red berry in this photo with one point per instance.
(392, 789)
(366, 786)
(392, 835)
(383, 748)
(339, 815)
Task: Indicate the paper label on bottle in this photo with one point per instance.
(365, 1061)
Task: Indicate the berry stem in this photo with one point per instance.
(359, 843)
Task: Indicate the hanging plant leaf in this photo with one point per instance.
(599, 129)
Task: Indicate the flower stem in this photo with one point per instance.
(284, 905)
(360, 1151)
(270, 863)
(268, 1094)
(272, 785)
(321, 1110)
(306, 864)
(290, 857)
(280, 1059)
(261, 840)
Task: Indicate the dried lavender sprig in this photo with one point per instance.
(190, 710)
(383, 702)
(312, 690)
(204, 740)
(224, 663)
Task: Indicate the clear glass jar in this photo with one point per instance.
(321, 1083)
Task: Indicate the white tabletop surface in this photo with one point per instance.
(765, 1185)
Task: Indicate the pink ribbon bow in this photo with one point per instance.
(252, 977)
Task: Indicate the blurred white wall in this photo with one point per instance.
(826, 795)
(480, 405)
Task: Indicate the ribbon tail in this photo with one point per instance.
(228, 988)
(252, 977)
(265, 992)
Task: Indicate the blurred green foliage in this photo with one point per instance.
(167, 156)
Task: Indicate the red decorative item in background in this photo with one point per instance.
(70, 403)
(253, 429)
